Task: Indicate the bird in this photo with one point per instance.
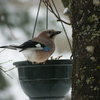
(37, 49)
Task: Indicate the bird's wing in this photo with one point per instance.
(34, 44)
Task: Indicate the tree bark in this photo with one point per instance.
(85, 19)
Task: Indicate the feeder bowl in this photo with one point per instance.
(49, 81)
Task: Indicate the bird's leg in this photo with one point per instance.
(51, 58)
(44, 62)
(35, 63)
(38, 63)
(57, 58)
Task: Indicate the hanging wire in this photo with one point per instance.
(62, 25)
(36, 18)
(6, 73)
(47, 17)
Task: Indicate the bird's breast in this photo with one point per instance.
(37, 56)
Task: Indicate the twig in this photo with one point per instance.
(5, 72)
(10, 69)
(64, 21)
(2, 50)
(48, 4)
(5, 62)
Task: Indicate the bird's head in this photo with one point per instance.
(50, 34)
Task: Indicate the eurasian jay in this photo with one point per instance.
(40, 48)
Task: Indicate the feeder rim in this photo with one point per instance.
(45, 79)
(48, 62)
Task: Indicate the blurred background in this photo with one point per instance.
(17, 18)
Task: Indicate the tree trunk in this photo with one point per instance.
(85, 19)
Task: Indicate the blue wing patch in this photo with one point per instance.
(47, 48)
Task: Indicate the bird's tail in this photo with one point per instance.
(10, 47)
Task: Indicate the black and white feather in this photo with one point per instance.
(26, 45)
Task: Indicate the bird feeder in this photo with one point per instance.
(50, 80)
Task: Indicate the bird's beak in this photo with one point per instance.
(57, 32)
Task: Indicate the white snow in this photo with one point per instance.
(96, 2)
(93, 59)
(90, 49)
(66, 11)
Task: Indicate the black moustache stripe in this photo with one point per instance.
(52, 35)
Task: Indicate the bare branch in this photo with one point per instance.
(5, 73)
(10, 69)
(63, 21)
(5, 62)
(50, 8)
(2, 50)
(3, 69)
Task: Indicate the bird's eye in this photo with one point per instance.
(50, 32)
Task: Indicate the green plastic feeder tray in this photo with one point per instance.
(49, 81)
